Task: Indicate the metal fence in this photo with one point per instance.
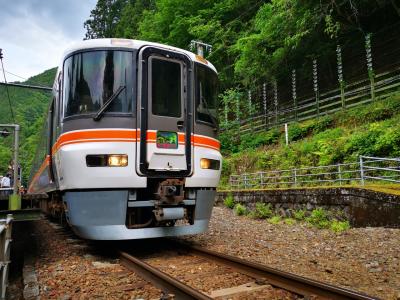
(374, 169)
(357, 93)
(5, 247)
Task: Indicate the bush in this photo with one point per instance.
(290, 221)
(229, 202)
(318, 218)
(296, 132)
(263, 210)
(274, 220)
(240, 209)
(299, 215)
(339, 226)
(252, 141)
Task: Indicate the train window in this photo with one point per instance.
(166, 88)
(206, 95)
(91, 78)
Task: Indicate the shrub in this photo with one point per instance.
(229, 201)
(274, 220)
(299, 215)
(240, 209)
(290, 221)
(263, 210)
(296, 132)
(339, 226)
(318, 218)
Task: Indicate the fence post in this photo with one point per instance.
(371, 74)
(340, 174)
(276, 101)
(245, 181)
(295, 177)
(340, 74)
(261, 179)
(265, 103)
(315, 81)
(294, 94)
(362, 170)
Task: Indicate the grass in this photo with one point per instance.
(318, 218)
(290, 221)
(229, 202)
(274, 220)
(372, 130)
(263, 210)
(339, 226)
(240, 210)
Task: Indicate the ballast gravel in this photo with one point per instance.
(363, 259)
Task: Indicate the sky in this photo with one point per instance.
(35, 33)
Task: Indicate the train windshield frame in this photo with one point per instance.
(91, 77)
(206, 106)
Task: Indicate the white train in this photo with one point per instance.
(129, 149)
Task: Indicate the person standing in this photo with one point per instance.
(5, 183)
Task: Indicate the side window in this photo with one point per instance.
(166, 88)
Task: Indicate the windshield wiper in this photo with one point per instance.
(203, 99)
(102, 109)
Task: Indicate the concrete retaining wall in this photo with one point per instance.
(362, 207)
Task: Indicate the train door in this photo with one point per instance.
(165, 110)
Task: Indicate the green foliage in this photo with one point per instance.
(29, 108)
(263, 210)
(299, 215)
(240, 210)
(319, 218)
(229, 202)
(290, 221)
(325, 141)
(339, 226)
(274, 220)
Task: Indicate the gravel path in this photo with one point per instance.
(69, 268)
(364, 259)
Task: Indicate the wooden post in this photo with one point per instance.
(371, 73)
(340, 174)
(340, 74)
(315, 81)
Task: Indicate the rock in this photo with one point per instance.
(31, 291)
(101, 265)
(65, 297)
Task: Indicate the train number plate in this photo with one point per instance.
(167, 140)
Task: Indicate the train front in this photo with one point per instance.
(136, 156)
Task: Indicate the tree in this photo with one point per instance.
(104, 19)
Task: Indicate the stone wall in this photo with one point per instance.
(362, 207)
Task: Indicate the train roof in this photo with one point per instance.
(129, 44)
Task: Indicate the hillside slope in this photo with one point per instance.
(372, 129)
(29, 108)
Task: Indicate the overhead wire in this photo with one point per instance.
(7, 91)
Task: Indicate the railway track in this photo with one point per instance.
(263, 278)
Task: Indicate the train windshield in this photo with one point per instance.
(91, 78)
(206, 95)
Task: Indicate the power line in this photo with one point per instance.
(5, 80)
(8, 72)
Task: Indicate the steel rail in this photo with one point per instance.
(160, 279)
(290, 282)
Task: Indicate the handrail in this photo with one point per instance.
(368, 168)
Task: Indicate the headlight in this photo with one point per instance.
(212, 164)
(117, 160)
(107, 160)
